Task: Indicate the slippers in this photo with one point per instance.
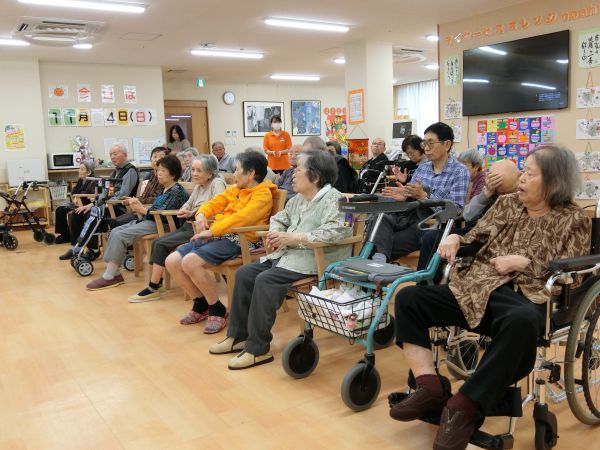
(214, 324)
(193, 317)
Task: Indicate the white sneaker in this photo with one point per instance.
(137, 298)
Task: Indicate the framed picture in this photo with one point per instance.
(257, 117)
(306, 118)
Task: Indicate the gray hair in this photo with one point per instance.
(209, 164)
(90, 165)
(120, 147)
(320, 167)
(194, 151)
(180, 154)
(560, 173)
(315, 143)
(214, 144)
(471, 156)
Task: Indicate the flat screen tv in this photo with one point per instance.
(523, 75)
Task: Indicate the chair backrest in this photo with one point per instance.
(228, 177)
(279, 201)
(188, 186)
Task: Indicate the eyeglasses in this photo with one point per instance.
(429, 144)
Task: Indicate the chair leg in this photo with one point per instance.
(217, 277)
(148, 251)
(138, 255)
(230, 284)
(167, 279)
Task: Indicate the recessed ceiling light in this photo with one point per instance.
(432, 66)
(340, 60)
(492, 50)
(136, 8)
(306, 25)
(83, 46)
(281, 76)
(432, 37)
(226, 53)
(13, 42)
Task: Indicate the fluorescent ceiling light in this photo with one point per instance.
(136, 8)
(13, 42)
(562, 61)
(281, 76)
(53, 38)
(432, 37)
(541, 86)
(340, 60)
(183, 116)
(83, 46)
(394, 81)
(305, 25)
(475, 80)
(172, 120)
(432, 66)
(226, 53)
(492, 50)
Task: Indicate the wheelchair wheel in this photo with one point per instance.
(385, 336)
(463, 356)
(545, 436)
(582, 377)
(129, 263)
(49, 238)
(10, 242)
(38, 235)
(359, 392)
(84, 267)
(300, 357)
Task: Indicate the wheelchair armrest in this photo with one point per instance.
(466, 250)
(574, 263)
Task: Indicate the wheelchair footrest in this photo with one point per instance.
(494, 442)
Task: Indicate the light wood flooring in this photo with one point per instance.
(88, 370)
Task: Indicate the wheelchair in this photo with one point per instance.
(567, 364)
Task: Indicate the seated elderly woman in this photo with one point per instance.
(260, 288)
(248, 202)
(173, 195)
(205, 174)
(473, 161)
(500, 295)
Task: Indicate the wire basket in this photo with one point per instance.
(351, 318)
(58, 192)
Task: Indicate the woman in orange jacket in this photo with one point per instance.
(277, 143)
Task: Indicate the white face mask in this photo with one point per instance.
(276, 126)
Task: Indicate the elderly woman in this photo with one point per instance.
(205, 174)
(172, 196)
(473, 161)
(83, 186)
(260, 288)
(188, 156)
(500, 295)
(411, 145)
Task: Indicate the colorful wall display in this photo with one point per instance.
(306, 118)
(14, 137)
(512, 137)
(588, 97)
(358, 152)
(336, 127)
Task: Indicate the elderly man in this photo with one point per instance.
(226, 161)
(287, 176)
(127, 187)
(378, 152)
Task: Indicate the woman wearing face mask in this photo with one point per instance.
(277, 143)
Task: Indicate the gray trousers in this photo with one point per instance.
(123, 236)
(165, 245)
(257, 295)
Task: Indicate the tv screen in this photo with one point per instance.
(523, 75)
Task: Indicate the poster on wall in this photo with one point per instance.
(84, 118)
(512, 137)
(589, 48)
(58, 91)
(257, 117)
(452, 109)
(69, 117)
(358, 152)
(54, 117)
(336, 127)
(306, 118)
(14, 137)
(588, 161)
(130, 93)
(97, 117)
(588, 97)
(84, 93)
(451, 70)
(107, 91)
(457, 129)
(587, 129)
(356, 106)
(142, 147)
(109, 142)
(589, 189)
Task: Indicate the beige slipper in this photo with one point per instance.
(246, 360)
(227, 345)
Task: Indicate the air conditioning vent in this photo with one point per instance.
(407, 56)
(56, 32)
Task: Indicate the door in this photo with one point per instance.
(192, 117)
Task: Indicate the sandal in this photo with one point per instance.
(214, 324)
(193, 317)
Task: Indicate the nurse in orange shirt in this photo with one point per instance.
(277, 143)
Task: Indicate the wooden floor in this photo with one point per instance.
(88, 370)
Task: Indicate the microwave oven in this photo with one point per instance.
(71, 160)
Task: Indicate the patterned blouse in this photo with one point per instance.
(173, 198)
(507, 229)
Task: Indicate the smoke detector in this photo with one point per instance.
(407, 56)
(56, 32)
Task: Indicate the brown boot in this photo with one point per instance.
(456, 429)
(422, 403)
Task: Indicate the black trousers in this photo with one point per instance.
(513, 322)
(165, 245)
(61, 222)
(257, 295)
(393, 242)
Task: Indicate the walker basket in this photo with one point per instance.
(347, 318)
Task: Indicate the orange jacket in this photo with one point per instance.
(272, 142)
(237, 207)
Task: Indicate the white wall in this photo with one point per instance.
(148, 82)
(21, 103)
(222, 117)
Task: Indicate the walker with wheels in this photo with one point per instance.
(364, 319)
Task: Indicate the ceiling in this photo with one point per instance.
(180, 25)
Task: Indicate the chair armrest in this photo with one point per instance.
(250, 229)
(91, 196)
(164, 212)
(262, 233)
(574, 263)
(347, 241)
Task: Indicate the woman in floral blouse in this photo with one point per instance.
(500, 295)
